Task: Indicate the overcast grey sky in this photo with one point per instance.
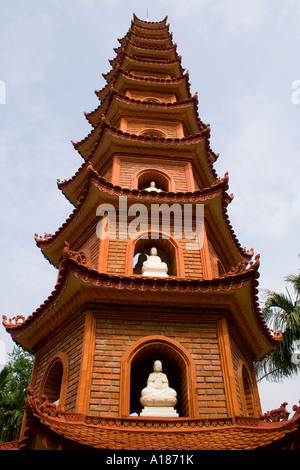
(243, 59)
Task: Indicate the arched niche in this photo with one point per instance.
(54, 382)
(168, 249)
(220, 268)
(178, 365)
(152, 132)
(142, 179)
(151, 99)
(247, 392)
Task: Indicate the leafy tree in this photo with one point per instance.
(281, 312)
(14, 381)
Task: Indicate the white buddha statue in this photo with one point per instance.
(154, 266)
(153, 187)
(158, 399)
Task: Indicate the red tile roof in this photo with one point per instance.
(158, 434)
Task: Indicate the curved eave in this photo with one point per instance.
(149, 27)
(111, 141)
(150, 51)
(72, 430)
(118, 103)
(147, 24)
(98, 190)
(155, 32)
(140, 39)
(128, 62)
(78, 285)
(180, 86)
(96, 139)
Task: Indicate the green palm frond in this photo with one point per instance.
(4, 376)
(295, 281)
(281, 312)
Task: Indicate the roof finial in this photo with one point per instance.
(147, 19)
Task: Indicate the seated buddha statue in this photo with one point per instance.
(154, 266)
(153, 187)
(158, 393)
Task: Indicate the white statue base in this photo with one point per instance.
(153, 266)
(159, 411)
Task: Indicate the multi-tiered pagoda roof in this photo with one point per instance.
(147, 62)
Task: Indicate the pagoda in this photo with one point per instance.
(132, 291)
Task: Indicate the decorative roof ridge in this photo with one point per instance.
(196, 138)
(45, 409)
(165, 30)
(144, 60)
(41, 240)
(61, 184)
(105, 125)
(141, 36)
(281, 414)
(12, 445)
(220, 184)
(133, 433)
(119, 69)
(144, 47)
(123, 54)
(19, 321)
(148, 104)
(138, 46)
(244, 432)
(164, 20)
(123, 51)
(71, 263)
(65, 182)
(137, 20)
(246, 254)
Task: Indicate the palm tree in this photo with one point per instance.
(12, 415)
(14, 380)
(281, 312)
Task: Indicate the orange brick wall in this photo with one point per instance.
(149, 73)
(129, 167)
(91, 250)
(134, 126)
(69, 343)
(192, 262)
(140, 95)
(107, 173)
(117, 251)
(114, 336)
(238, 357)
(116, 257)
